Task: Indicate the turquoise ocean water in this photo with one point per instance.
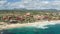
(52, 29)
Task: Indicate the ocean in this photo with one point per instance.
(52, 29)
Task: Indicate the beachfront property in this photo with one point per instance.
(27, 16)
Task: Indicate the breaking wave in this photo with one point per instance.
(44, 24)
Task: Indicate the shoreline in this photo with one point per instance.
(39, 23)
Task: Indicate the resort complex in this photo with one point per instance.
(27, 16)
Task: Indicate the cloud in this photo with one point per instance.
(30, 4)
(2, 4)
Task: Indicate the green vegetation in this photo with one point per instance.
(33, 15)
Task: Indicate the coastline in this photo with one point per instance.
(35, 24)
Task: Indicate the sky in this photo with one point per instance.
(29, 4)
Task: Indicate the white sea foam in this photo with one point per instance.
(40, 24)
(44, 24)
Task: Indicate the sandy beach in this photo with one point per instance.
(39, 24)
